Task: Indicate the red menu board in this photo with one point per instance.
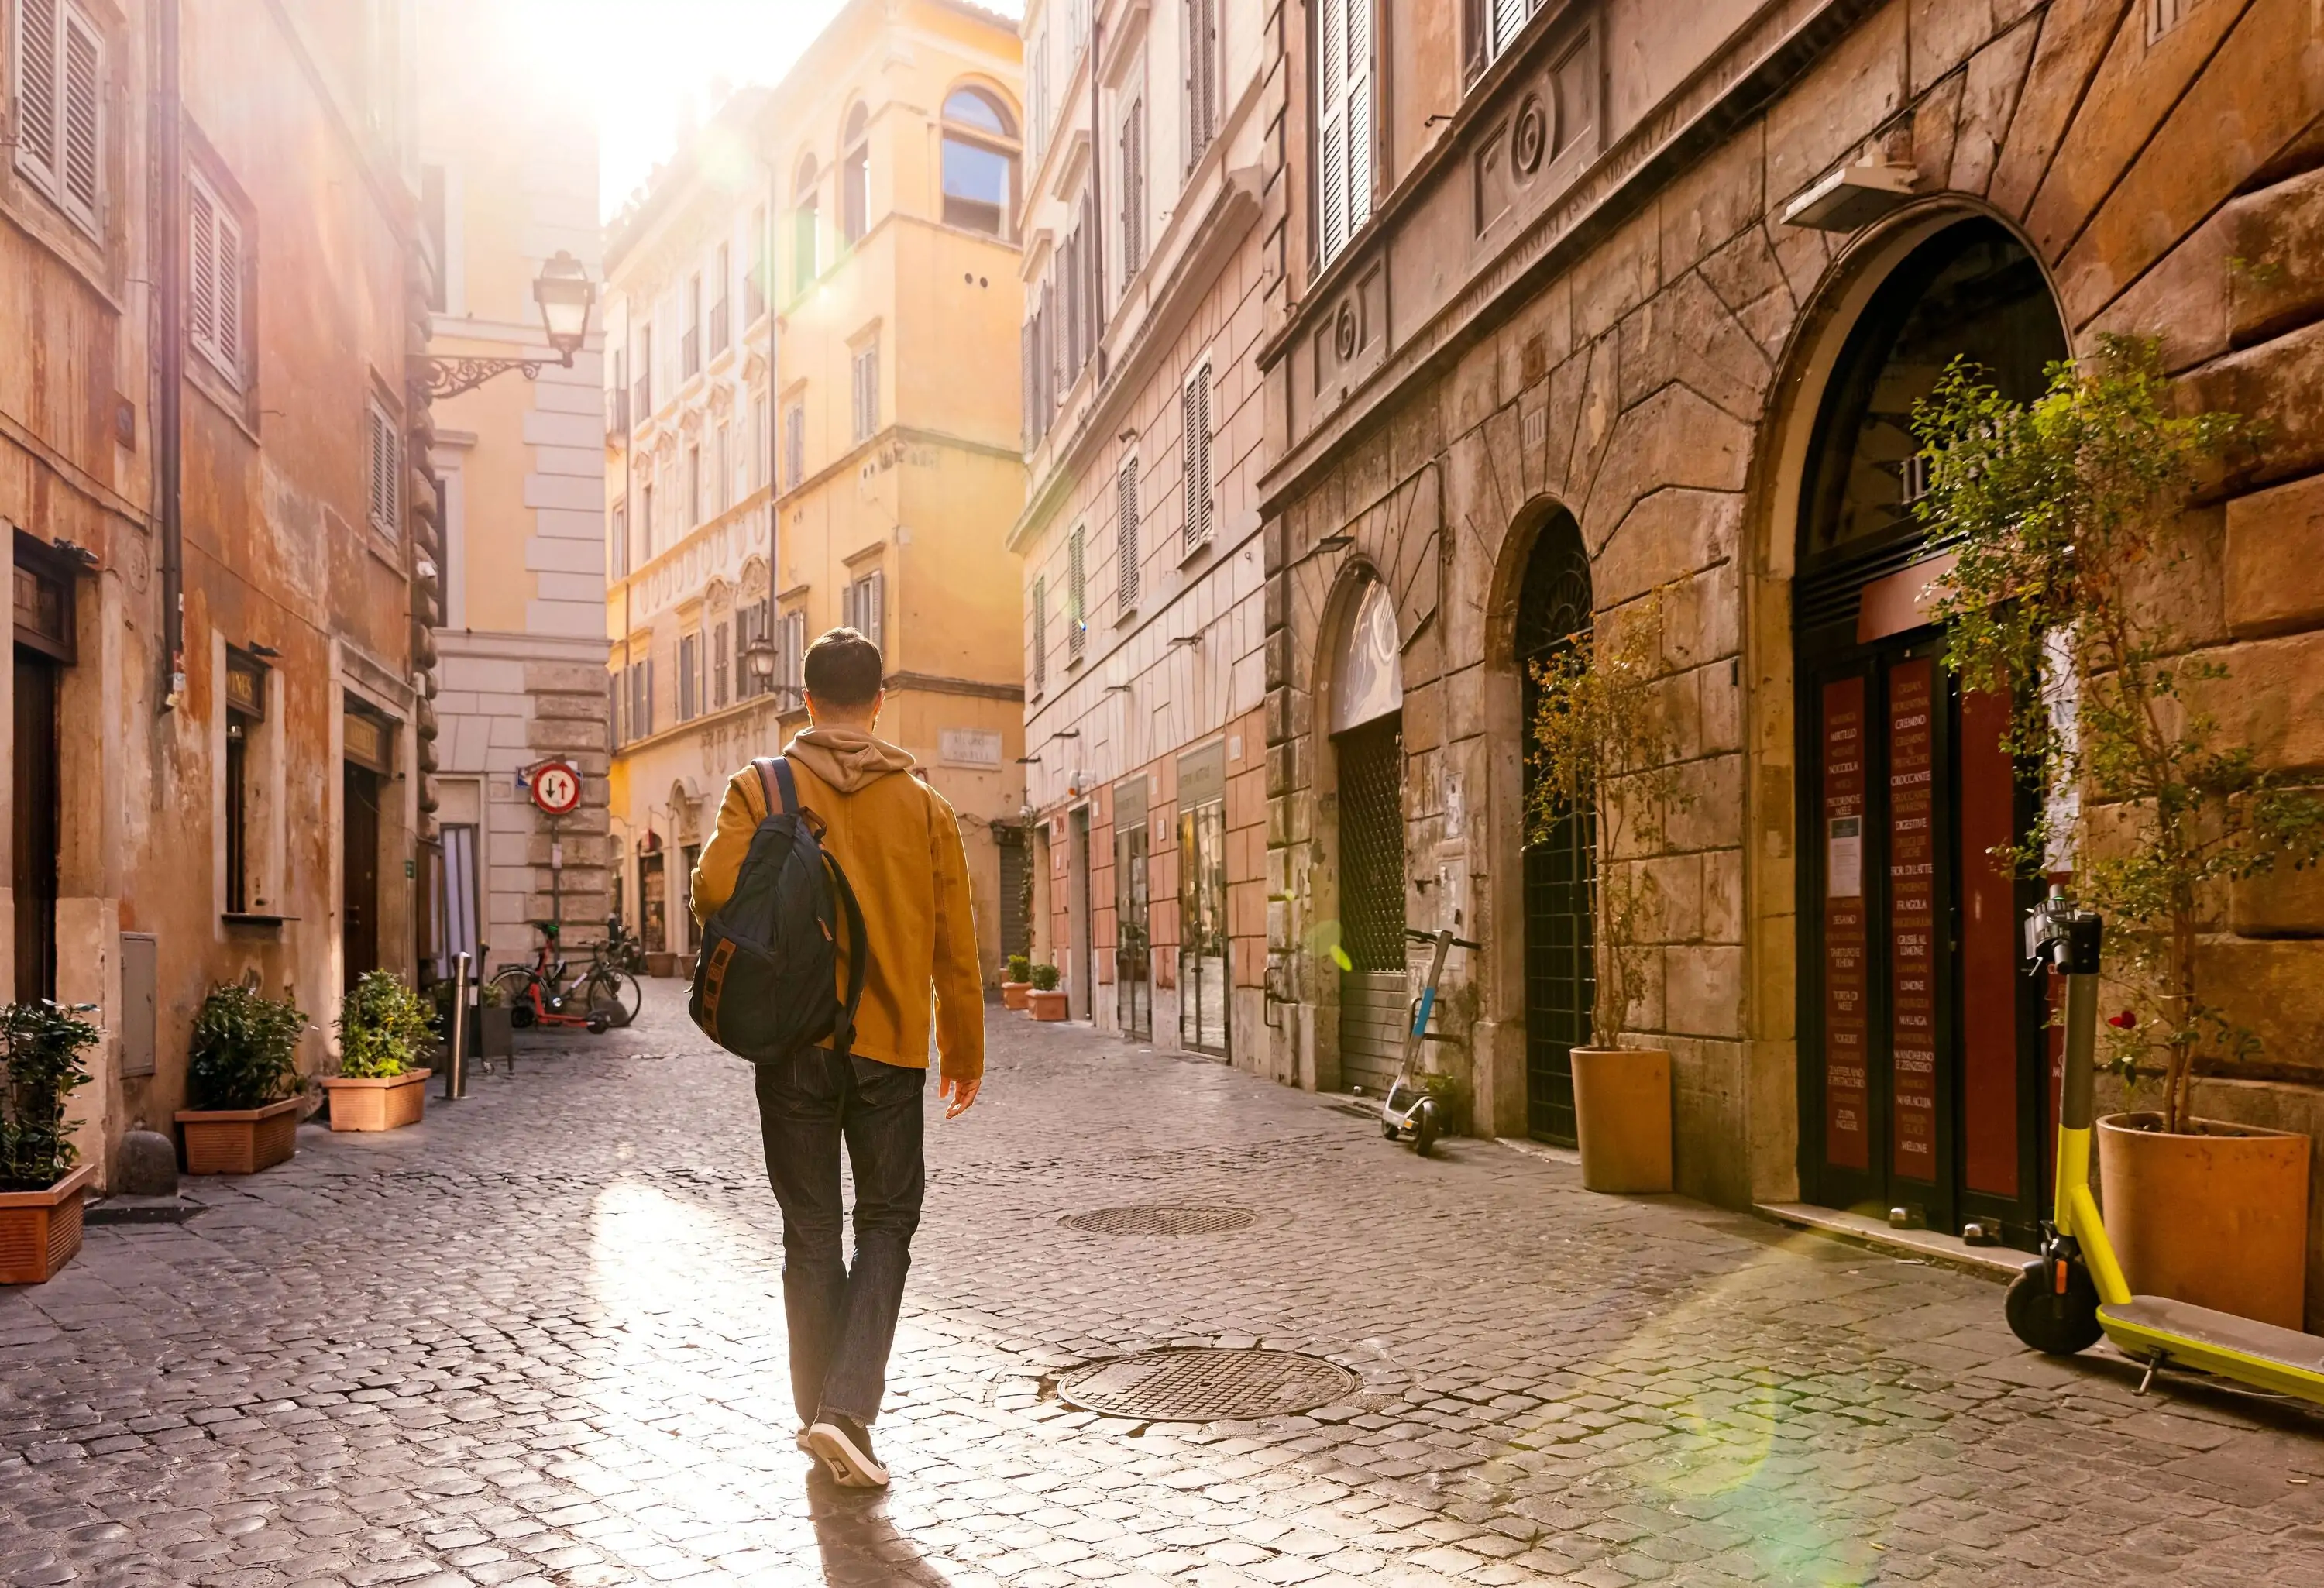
(1847, 1123)
(1912, 918)
(1989, 981)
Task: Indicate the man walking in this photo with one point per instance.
(898, 843)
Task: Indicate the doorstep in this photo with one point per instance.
(1989, 1262)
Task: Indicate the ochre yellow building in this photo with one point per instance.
(815, 421)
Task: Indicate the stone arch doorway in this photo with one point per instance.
(1367, 734)
(1554, 606)
(1921, 1058)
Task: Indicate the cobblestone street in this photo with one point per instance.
(538, 1340)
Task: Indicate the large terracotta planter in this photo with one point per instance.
(388, 1103)
(661, 965)
(1622, 1115)
(1045, 1006)
(239, 1141)
(1012, 993)
(40, 1230)
(2217, 1216)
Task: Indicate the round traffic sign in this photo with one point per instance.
(556, 786)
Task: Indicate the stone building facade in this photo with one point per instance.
(1147, 293)
(1632, 306)
(508, 179)
(808, 308)
(223, 548)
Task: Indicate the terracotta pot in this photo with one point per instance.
(661, 965)
(239, 1141)
(2217, 1216)
(1012, 993)
(387, 1103)
(40, 1230)
(1622, 1115)
(1045, 1006)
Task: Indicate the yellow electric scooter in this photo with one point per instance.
(2075, 1290)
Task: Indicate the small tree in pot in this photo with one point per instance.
(2071, 568)
(1604, 751)
(1017, 980)
(242, 1078)
(1046, 1001)
(41, 1180)
(381, 1025)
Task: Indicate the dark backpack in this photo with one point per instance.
(763, 980)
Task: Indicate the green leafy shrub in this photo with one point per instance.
(41, 1067)
(1020, 967)
(381, 1025)
(1045, 978)
(245, 1052)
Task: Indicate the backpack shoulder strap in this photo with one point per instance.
(776, 784)
(859, 954)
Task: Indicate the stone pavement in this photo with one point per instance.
(538, 1340)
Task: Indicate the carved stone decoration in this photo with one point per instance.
(1529, 138)
(1343, 332)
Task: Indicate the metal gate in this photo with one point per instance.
(1133, 955)
(1372, 983)
(1554, 611)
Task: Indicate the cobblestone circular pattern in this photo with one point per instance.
(1161, 1218)
(1205, 1383)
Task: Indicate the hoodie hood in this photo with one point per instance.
(848, 759)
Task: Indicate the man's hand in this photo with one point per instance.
(963, 1093)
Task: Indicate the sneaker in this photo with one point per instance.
(843, 1446)
(800, 1440)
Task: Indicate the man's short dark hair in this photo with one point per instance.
(843, 669)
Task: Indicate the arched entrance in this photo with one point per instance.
(1554, 606)
(1920, 1051)
(1367, 726)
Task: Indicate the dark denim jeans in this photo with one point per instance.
(842, 1320)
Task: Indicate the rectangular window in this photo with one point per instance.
(617, 400)
(803, 243)
(1202, 46)
(719, 311)
(864, 607)
(646, 519)
(754, 287)
(1133, 189)
(693, 483)
(614, 712)
(60, 104)
(1040, 614)
(213, 268)
(794, 445)
(1125, 536)
(1037, 96)
(641, 393)
(1076, 595)
(1345, 93)
(760, 441)
(722, 484)
(720, 638)
(689, 338)
(689, 676)
(246, 713)
(385, 463)
(1195, 420)
(864, 390)
(793, 657)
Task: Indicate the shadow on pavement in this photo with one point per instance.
(858, 1542)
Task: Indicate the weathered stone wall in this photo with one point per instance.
(1649, 387)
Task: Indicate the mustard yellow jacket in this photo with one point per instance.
(899, 842)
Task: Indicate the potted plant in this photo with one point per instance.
(1044, 1000)
(1603, 752)
(40, 1183)
(2072, 567)
(242, 1082)
(382, 1025)
(1018, 981)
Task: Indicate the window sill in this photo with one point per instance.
(1125, 617)
(1198, 549)
(254, 920)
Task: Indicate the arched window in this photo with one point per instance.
(855, 176)
(804, 263)
(980, 163)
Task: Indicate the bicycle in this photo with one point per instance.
(539, 995)
(622, 950)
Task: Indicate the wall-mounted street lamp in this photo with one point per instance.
(565, 293)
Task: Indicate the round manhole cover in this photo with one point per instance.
(1202, 1384)
(1169, 1218)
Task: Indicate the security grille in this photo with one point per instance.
(1202, 1384)
(1554, 610)
(1165, 1218)
(1371, 845)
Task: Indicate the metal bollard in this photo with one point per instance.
(455, 1069)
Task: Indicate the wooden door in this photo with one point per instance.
(359, 871)
(36, 827)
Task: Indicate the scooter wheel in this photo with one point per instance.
(2058, 1325)
(1388, 1130)
(520, 1016)
(1423, 1127)
(598, 1025)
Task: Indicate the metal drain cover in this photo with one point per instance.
(1165, 1218)
(1202, 1384)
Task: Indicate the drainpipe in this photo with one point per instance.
(168, 420)
(1097, 200)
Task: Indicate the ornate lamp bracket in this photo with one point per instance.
(448, 377)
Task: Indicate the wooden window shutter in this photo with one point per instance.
(1345, 71)
(229, 296)
(1040, 633)
(387, 488)
(36, 91)
(875, 611)
(1076, 595)
(1125, 533)
(1195, 412)
(201, 264)
(1133, 189)
(82, 107)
